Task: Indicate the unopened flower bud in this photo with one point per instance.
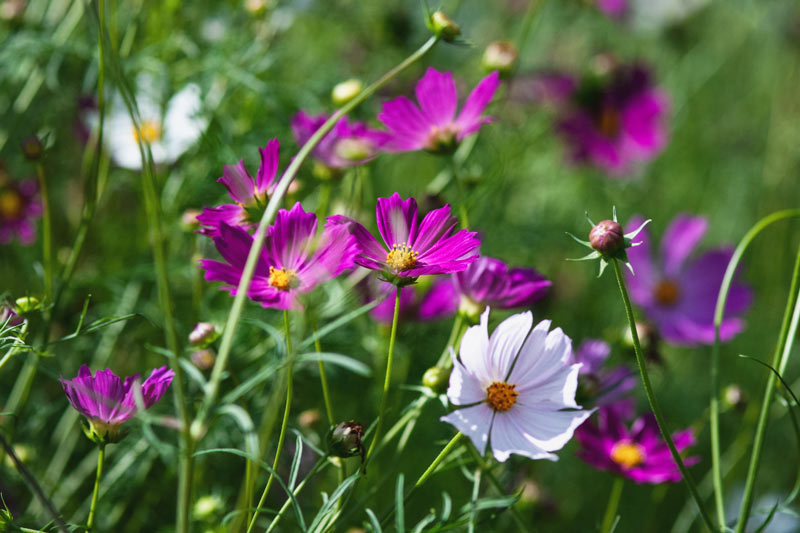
(443, 27)
(436, 378)
(32, 148)
(206, 507)
(607, 237)
(500, 56)
(189, 219)
(203, 359)
(26, 304)
(203, 334)
(345, 91)
(734, 397)
(344, 440)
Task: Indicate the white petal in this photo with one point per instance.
(464, 387)
(121, 139)
(541, 355)
(475, 348)
(508, 439)
(506, 341)
(549, 430)
(182, 125)
(559, 388)
(473, 422)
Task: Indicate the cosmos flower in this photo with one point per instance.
(516, 389)
(347, 144)
(615, 9)
(679, 294)
(438, 301)
(639, 454)
(250, 195)
(599, 385)
(412, 248)
(434, 125)
(20, 206)
(108, 402)
(293, 260)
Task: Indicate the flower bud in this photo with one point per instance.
(443, 27)
(734, 397)
(436, 378)
(206, 507)
(32, 148)
(203, 334)
(345, 91)
(344, 440)
(203, 359)
(500, 56)
(607, 237)
(26, 304)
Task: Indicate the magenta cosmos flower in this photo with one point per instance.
(639, 454)
(108, 402)
(434, 125)
(347, 144)
(249, 194)
(679, 295)
(293, 260)
(411, 248)
(598, 385)
(515, 389)
(20, 206)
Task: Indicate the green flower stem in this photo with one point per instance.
(284, 423)
(455, 335)
(719, 312)
(476, 492)
(323, 461)
(648, 389)
(323, 381)
(101, 449)
(522, 525)
(47, 245)
(387, 379)
(439, 458)
(613, 505)
(779, 360)
(226, 343)
(14, 348)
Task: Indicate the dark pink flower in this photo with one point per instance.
(293, 260)
(347, 144)
(598, 385)
(249, 194)
(20, 206)
(412, 248)
(434, 125)
(679, 295)
(639, 454)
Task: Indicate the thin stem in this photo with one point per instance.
(439, 458)
(455, 335)
(323, 461)
(284, 423)
(613, 505)
(269, 214)
(47, 245)
(323, 380)
(522, 525)
(779, 362)
(462, 208)
(476, 492)
(101, 450)
(387, 379)
(648, 389)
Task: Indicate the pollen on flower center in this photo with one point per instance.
(401, 257)
(501, 396)
(283, 279)
(667, 292)
(150, 131)
(609, 122)
(10, 204)
(627, 454)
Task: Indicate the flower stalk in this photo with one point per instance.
(613, 504)
(101, 449)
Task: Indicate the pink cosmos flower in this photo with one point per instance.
(516, 389)
(639, 454)
(597, 384)
(434, 125)
(411, 248)
(346, 145)
(250, 195)
(679, 295)
(20, 206)
(293, 260)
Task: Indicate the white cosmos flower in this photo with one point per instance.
(519, 388)
(170, 134)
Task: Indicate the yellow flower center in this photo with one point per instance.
(667, 292)
(501, 396)
(283, 279)
(401, 257)
(609, 122)
(10, 204)
(627, 454)
(149, 131)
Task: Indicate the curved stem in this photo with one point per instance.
(613, 505)
(387, 379)
(100, 453)
(648, 389)
(269, 214)
(284, 423)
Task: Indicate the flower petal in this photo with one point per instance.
(477, 101)
(437, 96)
(679, 239)
(397, 220)
(473, 422)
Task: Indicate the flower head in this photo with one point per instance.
(20, 206)
(293, 260)
(108, 402)
(347, 144)
(434, 125)
(412, 248)
(639, 454)
(599, 385)
(517, 388)
(249, 194)
(679, 294)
